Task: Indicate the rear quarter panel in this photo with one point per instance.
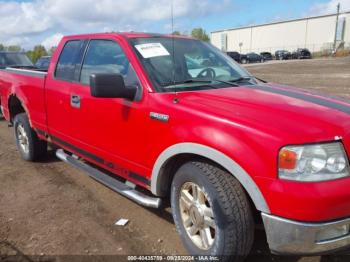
(30, 91)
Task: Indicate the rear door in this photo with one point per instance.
(58, 85)
(112, 131)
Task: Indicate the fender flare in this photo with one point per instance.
(229, 164)
(22, 104)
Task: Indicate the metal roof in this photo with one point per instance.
(279, 22)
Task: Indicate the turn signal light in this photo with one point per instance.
(287, 159)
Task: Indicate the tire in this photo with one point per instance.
(231, 213)
(28, 144)
(244, 61)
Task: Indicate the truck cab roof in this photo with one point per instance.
(127, 35)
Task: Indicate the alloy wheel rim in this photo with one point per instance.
(22, 138)
(197, 215)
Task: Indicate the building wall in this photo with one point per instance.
(316, 34)
(347, 29)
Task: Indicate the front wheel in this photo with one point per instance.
(211, 212)
(29, 145)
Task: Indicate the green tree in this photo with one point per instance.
(29, 53)
(2, 47)
(14, 48)
(176, 33)
(200, 34)
(36, 53)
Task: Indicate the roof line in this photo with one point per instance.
(279, 22)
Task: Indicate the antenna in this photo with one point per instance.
(172, 16)
(173, 48)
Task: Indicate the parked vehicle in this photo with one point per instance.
(266, 55)
(301, 53)
(43, 63)
(282, 55)
(251, 58)
(235, 56)
(226, 148)
(14, 59)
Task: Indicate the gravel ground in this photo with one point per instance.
(50, 211)
(330, 76)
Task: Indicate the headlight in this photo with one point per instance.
(317, 162)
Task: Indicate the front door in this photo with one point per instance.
(113, 130)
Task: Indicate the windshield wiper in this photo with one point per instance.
(209, 81)
(204, 81)
(245, 78)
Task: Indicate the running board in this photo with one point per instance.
(110, 182)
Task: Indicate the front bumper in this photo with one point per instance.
(286, 236)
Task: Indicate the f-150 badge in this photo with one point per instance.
(160, 117)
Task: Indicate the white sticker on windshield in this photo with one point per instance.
(152, 50)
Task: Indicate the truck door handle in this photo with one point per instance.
(75, 101)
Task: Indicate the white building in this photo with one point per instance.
(315, 33)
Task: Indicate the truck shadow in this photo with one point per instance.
(9, 252)
(260, 251)
(50, 157)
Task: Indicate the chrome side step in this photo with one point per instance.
(110, 182)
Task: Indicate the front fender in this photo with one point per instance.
(226, 162)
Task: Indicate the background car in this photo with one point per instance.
(301, 53)
(266, 55)
(282, 55)
(14, 59)
(251, 58)
(235, 56)
(43, 63)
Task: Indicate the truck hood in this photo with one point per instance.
(276, 110)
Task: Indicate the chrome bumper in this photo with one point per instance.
(286, 236)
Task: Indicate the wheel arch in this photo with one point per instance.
(15, 106)
(181, 152)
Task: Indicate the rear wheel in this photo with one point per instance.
(29, 145)
(211, 212)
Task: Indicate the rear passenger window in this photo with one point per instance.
(105, 56)
(68, 59)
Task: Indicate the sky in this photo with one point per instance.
(31, 22)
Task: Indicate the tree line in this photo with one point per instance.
(33, 54)
(198, 33)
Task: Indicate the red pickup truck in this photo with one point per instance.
(177, 117)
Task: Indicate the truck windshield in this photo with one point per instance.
(182, 64)
(14, 59)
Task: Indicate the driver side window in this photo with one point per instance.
(106, 56)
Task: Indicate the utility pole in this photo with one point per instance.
(336, 29)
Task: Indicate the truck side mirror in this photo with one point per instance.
(110, 86)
